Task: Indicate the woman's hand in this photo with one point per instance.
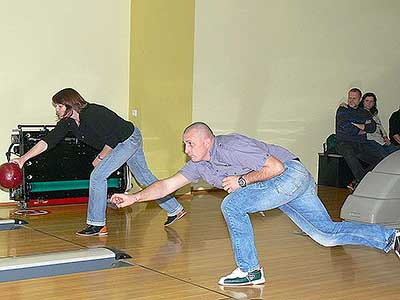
(19, 161)
(96, 161)
(103, 153)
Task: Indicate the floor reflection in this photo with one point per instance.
(251, 292)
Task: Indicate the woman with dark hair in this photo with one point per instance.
(117, 140)
(369, 102)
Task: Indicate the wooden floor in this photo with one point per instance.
(186, 260)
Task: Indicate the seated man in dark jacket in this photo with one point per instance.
(352, 124)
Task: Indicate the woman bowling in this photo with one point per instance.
(117, 140)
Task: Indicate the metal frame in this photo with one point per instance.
(43, 183)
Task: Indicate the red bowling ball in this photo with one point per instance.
(10, 175)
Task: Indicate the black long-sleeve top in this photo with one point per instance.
(99, 126)
(394, 126)
(347, 132)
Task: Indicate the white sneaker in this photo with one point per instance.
(237, 277)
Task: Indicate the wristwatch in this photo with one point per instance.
(242, 182)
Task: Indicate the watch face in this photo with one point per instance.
(242, 182)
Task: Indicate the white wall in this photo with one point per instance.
(47, 45)
(276, 69)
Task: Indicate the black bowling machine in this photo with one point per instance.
(59, 175)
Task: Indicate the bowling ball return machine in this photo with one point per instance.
(376, 199)
(59, 175)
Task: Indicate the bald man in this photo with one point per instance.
(259, 177)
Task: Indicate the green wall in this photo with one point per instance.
(161, 78)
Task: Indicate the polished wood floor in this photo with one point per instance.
(186, 260)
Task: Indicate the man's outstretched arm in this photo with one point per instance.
(157, 190)
(272, 167)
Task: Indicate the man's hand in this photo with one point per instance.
(123, 200)
(387, 141)
(359, 126)
(271, 168)
(230, 183)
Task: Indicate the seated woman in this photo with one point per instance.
(369, 102)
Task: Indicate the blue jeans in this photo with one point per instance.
(389, 149)
(293, 192)
(383, 150)
(370, 152)
(131, 152)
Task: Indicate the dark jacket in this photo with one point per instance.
(347, 132)
(394, 126)
(98, 126)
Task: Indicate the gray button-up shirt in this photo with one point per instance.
(233, 154)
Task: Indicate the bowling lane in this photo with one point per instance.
(26, 241)
(121, 283)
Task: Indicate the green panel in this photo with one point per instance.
(161, 79)
(48, 186)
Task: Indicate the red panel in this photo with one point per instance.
(61, 201)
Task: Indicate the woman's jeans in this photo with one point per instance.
(131, 152)
(293, 192)
(390, 148)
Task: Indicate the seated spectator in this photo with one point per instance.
(352, 125)
(369, 102)
(394, 128)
